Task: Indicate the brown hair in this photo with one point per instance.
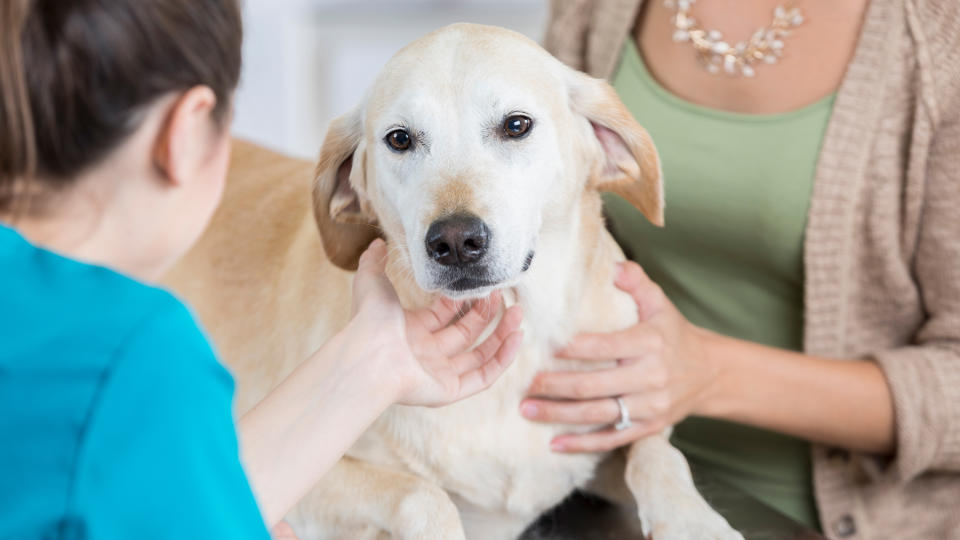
(75, 74)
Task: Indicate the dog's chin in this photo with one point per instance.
(467, 284)
(456, 292)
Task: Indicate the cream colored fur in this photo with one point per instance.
(265, 289)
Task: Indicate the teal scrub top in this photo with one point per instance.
(115, 415)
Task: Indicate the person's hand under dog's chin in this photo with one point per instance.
(428, 352)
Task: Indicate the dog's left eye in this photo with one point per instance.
(399, 140)
(516, 126)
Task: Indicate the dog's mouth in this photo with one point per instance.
(478, 281)
(467, 284)
(527, 261)
(468, 281)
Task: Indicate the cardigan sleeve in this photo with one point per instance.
(924, 378)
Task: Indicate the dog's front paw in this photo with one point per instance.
(699, 522)
(427, 513)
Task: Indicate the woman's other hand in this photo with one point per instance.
(428, 350)
(662, 374)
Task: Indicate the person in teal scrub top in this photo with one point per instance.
(115, 415)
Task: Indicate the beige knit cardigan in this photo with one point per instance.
(881, 251)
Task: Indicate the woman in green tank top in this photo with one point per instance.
(721, 332)
(731, 259)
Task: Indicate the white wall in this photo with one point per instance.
(308, 61)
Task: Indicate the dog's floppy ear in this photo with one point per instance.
(346, 221)
(628, 164)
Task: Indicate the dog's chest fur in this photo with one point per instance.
(482, 450)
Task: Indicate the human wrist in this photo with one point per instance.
(719, 395)
(373, 360)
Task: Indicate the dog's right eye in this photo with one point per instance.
(516, 126)
(399, 140)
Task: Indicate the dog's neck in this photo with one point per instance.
(561, 276)
(572, 260)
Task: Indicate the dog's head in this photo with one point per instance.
(472, 144)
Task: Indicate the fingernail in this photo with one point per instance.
(529, 410)
(557, 446)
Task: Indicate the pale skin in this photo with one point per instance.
(668, 368)
(148, 201)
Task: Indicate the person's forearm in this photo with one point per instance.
(292, 437)
(842, 403)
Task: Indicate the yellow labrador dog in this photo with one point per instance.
(480, 158)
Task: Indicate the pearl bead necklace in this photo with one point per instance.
(716, 55)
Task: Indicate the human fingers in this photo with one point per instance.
(370, 280)
(464, 332)
(582, 385)
(596, 411)
(590, 411)
(374, 258)
(637, 340)
(648, 296)
(283, 531)
(483, 352)
(604, 440)
(481, 377)
(438, 314)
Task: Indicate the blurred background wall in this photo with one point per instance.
(308, 61)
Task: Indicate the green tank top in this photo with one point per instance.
(738, 188)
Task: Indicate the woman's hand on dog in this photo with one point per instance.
(662, 374)
(429, 349)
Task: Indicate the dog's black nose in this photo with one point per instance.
(457, 240)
